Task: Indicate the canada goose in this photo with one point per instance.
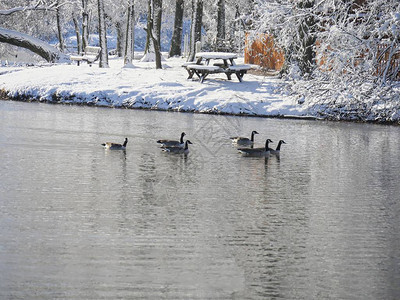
(278, 148)
(264, 151)
(115, 146)
(243, 141)
(178, 150)
(172, 143)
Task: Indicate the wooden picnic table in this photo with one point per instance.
(223, 62)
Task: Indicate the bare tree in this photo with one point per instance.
(120, 27)
(85, 24)
(130, 34)
(220, 40)
(102, 35)
(27, 41)
(157, 13)
(77, 33)
(59, 27)
(177, 34)
(195, 30)
(152, 42)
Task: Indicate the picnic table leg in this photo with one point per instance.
(191, 73)
(197, 73)
(203, 76)
(239, 75)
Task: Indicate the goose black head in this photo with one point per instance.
(267, 142)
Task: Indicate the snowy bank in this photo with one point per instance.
(142, 86)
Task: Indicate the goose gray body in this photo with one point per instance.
(244, 141)
(115, 146)
(178, 150)
(173, 143)
(264, 151)
(277, 151)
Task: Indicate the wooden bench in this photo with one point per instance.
(90, 55)
(202, 71)
(239, 70)
(190, 71)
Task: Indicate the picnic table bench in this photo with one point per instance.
(90, 55)
(225, 64)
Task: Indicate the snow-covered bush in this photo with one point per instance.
(349, 49)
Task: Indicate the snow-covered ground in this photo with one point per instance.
(142, 86)
(145, 87)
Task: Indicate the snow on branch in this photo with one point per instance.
(10, 11)
(31, 43)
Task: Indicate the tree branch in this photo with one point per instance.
(10, 11)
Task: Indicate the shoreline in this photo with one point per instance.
(169, 89)
(28, 99)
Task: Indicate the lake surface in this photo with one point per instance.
(80, 222)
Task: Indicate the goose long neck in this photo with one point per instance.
(125, 142)
(181, 141)
(186, 145)
(266, 145)
(279, 146)
(252, 136)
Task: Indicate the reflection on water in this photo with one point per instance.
(320, 221)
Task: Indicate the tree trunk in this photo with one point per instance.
(152, 41)
(221, 32)
(130, 34)
(147, 47)
(102, 35)
(307, 38)
(35, 45)
(121, 38)
(59, 28)
(195, 32)
(157, 9)
(85, 24)
(157, 51)
(78, 35)
(176, 41)
(156, 43)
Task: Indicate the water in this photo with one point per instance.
(80, 222)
